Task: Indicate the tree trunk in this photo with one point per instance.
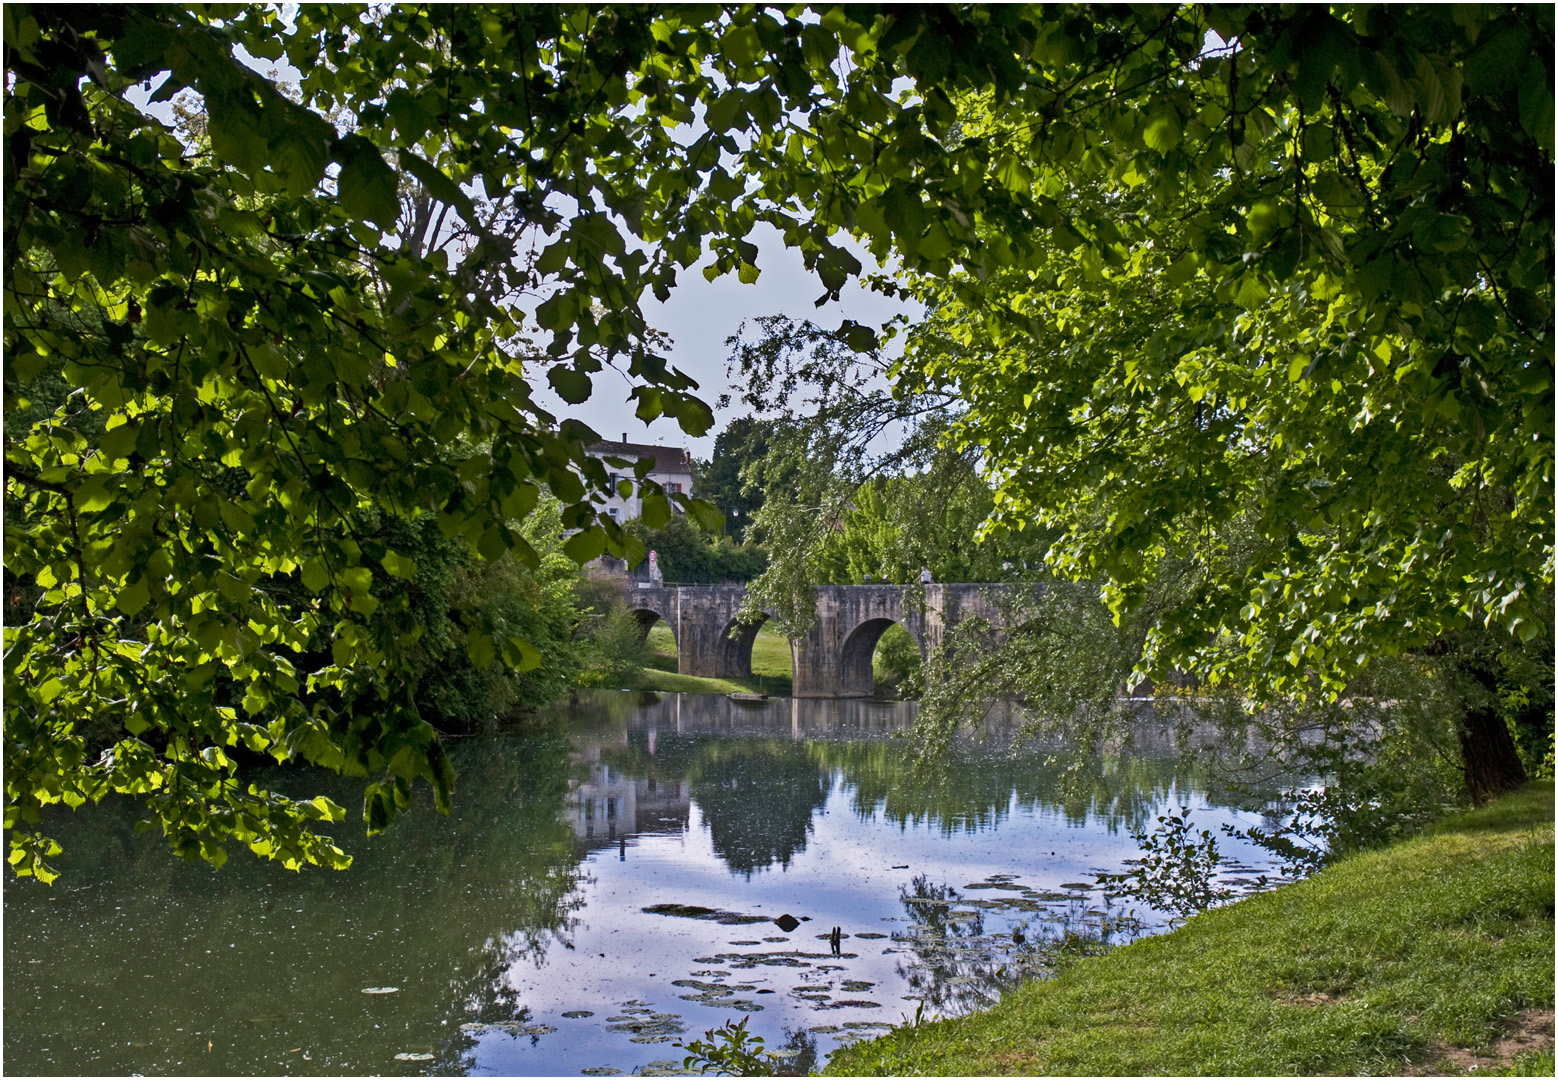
(1488, 756)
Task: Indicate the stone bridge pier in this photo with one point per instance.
(834, 659)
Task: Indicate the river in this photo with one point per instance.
(610, 882)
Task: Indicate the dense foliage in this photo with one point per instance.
(723, 480)
(1297, 284)
(689, 556)
(1289, 342)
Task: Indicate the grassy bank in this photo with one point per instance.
(1394, 960)
(770, 667)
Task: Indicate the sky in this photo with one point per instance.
(700, 315)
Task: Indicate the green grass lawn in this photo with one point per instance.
(771, 666)
(1388, 959)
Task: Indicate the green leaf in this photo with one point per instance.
(316, 575)
(1164, 128)
(399, 565)
(1536, 103)
(581, 547)
(707, 516)
(479, 648)
(572, 386)
(133, 597)
(367, 187)
(439, 185)
(521, 501)
(520, 654)
(494, 543)
(693, 416)
(657, 511)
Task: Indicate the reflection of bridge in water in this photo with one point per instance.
(757, 772)
(1151, 729)
(834, 659)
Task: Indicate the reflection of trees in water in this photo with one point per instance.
(442, 907)
(955, 967)
(798, 1052)
(958, 968)
(973, 791)
(758, 797)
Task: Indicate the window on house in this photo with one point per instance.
(616, 513)
(673, 488)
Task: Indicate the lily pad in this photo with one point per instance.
(600, 1070)
(381, 990)
(693, 911)
(743, 943)
(825, 1029)
(577, 1014)
(870, 935)
(656, 1027)
(508, 1027)
(856, 986)
(852, 1003)
(1083, 886)
(413, 1057)
(867, 1025)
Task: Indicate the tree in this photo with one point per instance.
(723, 480)
(267, 352)
(257, 344)
(1291, 331)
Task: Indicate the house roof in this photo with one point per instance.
(668, 459)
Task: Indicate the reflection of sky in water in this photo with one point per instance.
(528, 903)
(848, 865)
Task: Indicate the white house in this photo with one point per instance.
(672, 470)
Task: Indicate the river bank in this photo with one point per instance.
(1434, 955)
(771, 666)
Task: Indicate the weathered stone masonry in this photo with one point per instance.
(834, 660)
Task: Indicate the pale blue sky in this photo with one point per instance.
(701, 314)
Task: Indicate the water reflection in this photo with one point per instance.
(136, 962)
(758, 797)
(518, 935)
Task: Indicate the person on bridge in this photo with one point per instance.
(924, 575)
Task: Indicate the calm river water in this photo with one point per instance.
(602, 890)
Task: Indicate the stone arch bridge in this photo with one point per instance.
(834, 660)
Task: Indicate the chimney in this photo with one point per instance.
(624, 436)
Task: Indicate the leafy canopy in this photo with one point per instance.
(1289, 328)
(257, 352)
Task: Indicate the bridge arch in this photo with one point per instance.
(737, 638)
(647, 617)
(855, 675)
